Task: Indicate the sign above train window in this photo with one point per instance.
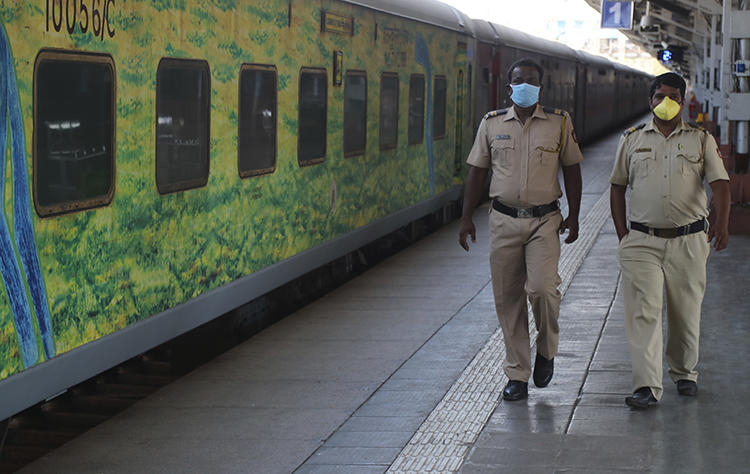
(332, 23)
(617, 14)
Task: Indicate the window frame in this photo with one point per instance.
(260, 171)
(435, 136)
(393, 75)
(95, 202)
(362, 151)
(324, 73)
(424, 106)
(189, 184)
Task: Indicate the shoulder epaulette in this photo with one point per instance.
(552, 110)
(633, 129)
(495, 113)
(697, 127)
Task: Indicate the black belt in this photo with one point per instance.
(536, 211)
(697, 226)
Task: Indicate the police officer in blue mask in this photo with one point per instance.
(525, 145)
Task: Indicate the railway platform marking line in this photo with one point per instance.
(443, 440)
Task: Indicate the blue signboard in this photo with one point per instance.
(617, 14)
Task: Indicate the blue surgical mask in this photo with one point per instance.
(524, 95)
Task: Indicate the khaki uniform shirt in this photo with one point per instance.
(525, 157)
(665, 174)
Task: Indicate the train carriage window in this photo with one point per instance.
(458, 153)
(416, 109)
(438, 117)
(312, 117)
(74, 131)
(183, 90)
(469, 102)
(355, 113)
(257, 120)
(388, 110)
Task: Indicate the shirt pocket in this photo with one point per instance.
(502, 151)
(640, 162)
(545, 158)
(690, 164)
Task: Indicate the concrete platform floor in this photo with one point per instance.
(579, 423)
(371, 378)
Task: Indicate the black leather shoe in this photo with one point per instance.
(515, 390)
(687, 388)
(543, 370)
(641, 399)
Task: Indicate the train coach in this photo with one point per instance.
(597, 93)
(173, 160)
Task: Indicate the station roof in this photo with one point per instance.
(673, 24)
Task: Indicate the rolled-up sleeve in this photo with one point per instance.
(714, 165)
(479, 155)
(619, 174)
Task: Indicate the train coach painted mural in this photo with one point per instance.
(156, 149)
(167, 161)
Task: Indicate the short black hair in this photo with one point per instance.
(526, 62)
(670, 79)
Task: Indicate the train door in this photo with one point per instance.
(579, 115)
(507, 57)
(459, 150)
(482, 81)
(495, 82)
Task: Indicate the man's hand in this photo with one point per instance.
(571, 225)
(467, 228)
(720, 229)
(721, 235)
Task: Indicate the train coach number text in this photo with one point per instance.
(88, 15)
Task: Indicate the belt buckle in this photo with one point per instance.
(685, 230)
(525, 213)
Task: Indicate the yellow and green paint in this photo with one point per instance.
(109, 267)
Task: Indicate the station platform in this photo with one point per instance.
(399, 370)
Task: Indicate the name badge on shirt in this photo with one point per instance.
(502, 137)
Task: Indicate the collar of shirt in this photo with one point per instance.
(538, 113)
(651, 127)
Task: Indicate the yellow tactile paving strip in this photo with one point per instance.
(443, 440)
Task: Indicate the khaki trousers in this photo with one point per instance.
(651, 265)
(524, 253)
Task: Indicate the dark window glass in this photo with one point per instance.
(257, 127)
(183, 90)
(312, 121)
(416, 108)
(74, 158)
(355, 113)
(438, 118)
(388, 111)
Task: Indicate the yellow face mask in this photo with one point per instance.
(667, 109)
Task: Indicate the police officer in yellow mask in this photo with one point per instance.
(664, 250)
(525, 146)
